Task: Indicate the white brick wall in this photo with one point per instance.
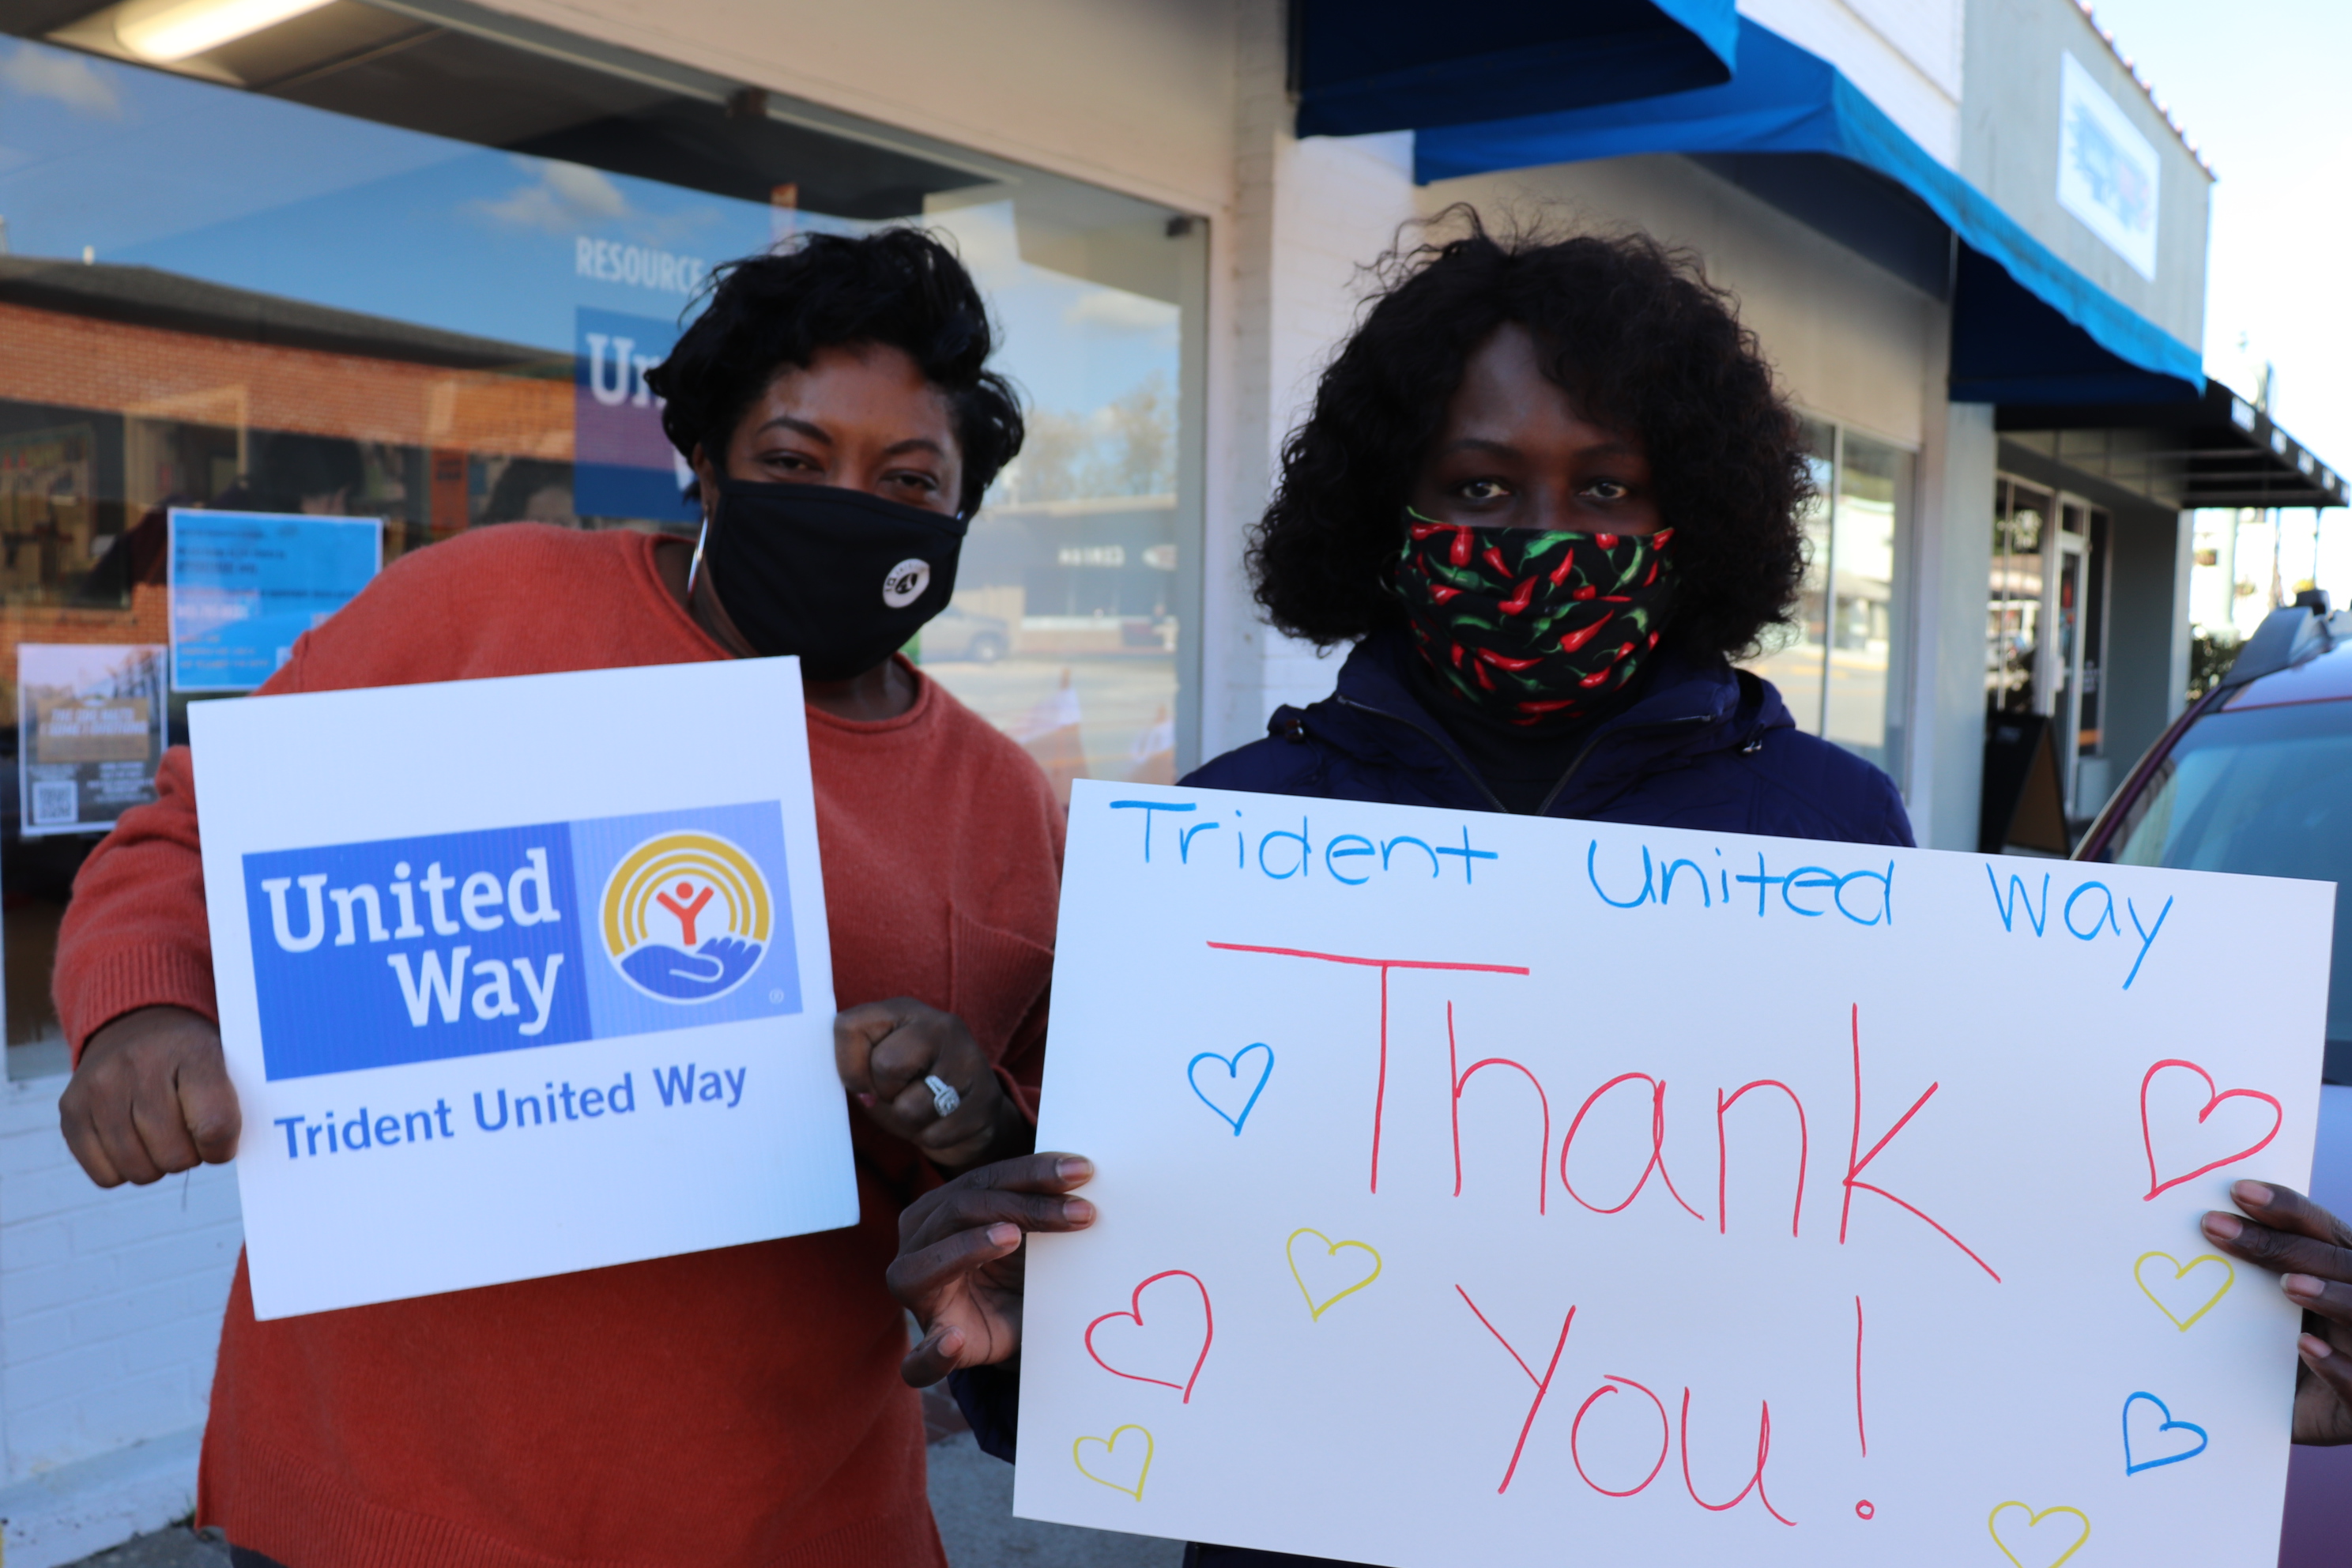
(1308, 216)
(109, 1317)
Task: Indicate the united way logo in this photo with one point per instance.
(686, 917)
(455, 945)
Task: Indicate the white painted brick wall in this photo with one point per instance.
(1308, 216)
(110, 1309)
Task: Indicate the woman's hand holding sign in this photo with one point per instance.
(960, 1266)
(151, 1096)
(887, 1053)
(2290, 1234)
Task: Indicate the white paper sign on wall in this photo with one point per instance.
(1483, 1189)
(518, 977)
(2107, 172)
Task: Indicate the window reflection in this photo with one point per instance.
(1832, 660)
(1791, 654)
(1874, 484)
(1065, 628)
(361, 286)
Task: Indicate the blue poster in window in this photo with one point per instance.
(623, 465)
(244, 585)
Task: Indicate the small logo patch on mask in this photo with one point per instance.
(906, 583)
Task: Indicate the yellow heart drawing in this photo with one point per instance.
(1109, 1446)
(1330, 1249)
(1992, 1523)
(2181, 1271)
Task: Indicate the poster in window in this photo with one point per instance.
(89, 727)
(2107, 172)
(623, 465)
(244, 585)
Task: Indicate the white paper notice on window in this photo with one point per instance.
(1486, 1189)
(2107, 172)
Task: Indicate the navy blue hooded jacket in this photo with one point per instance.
(1705, 747)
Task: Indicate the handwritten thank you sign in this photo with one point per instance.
(1485, 1189)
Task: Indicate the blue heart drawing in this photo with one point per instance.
(1233, 1065)
(2132, 1469)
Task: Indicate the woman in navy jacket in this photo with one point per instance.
(1549, 489)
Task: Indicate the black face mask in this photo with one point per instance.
(840, 577)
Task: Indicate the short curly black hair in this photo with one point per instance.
(898, 287)
(1638, 338)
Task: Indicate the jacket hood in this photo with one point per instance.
(1690, 708)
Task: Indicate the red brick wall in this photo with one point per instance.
(85, 363)
(51, 358)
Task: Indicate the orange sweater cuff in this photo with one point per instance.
(111, 984)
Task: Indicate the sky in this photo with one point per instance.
(2259, 87)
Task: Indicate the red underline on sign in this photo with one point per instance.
(1380, 1089)
(1372, 962)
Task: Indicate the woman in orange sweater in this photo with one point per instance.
(734, 1407)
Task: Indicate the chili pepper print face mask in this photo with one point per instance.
(1524, 624)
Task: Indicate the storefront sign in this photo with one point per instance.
(89, 728)
(1486, 1189)
(639, 266)
(623, 465)
(244, 585)
(501, 1002)
(2107, 172)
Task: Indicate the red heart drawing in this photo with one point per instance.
(1135, 1302)
(2156, 1185)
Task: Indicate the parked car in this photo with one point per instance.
(958, 633)
(2256, 777)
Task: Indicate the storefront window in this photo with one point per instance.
(1833, 660)
(359, 265)
(1793, 653)
(1873, 488)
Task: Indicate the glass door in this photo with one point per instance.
(2020, 588)
(2058, 675)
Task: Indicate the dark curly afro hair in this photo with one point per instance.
(1641, 343)
(897, 287)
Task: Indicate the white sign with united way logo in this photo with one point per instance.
(518, 977)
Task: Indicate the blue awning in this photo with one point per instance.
(2026, 327)
(1399, 65)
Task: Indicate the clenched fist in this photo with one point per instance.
(151, 1096)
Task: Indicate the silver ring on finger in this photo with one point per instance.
(944, 1099)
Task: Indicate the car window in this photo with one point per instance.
(2266, 791)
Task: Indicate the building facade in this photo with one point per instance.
(408, 259)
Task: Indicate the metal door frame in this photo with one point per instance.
(2062, 704)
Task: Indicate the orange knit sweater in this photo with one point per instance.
(733, 1407)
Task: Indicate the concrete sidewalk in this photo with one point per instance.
(971, 1495)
